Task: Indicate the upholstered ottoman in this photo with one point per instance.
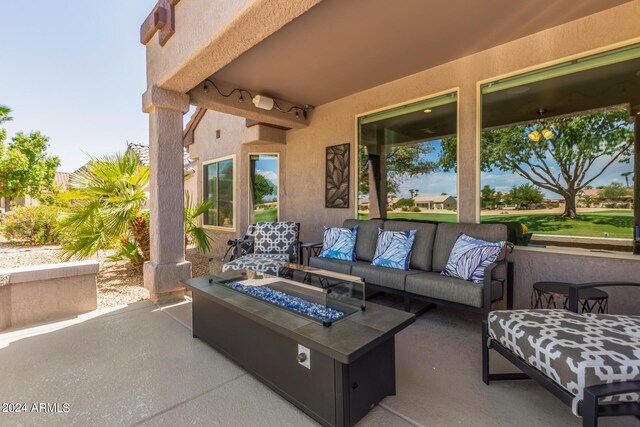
(573, 350)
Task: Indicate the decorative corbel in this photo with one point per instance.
(161, 19)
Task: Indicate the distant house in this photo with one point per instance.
(60, 181)
(143, 153)
(436, 202)
(593, 195)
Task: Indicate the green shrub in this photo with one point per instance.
(415, 209)
(404, 203)
(34, 225)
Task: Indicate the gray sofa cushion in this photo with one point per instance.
(367, 237)
(382, 276)
(422, 250)
(337, 265)
(450, 289)
(448, 233)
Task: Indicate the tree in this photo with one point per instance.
(613, 191)
(489, 197)
(406, 203)
(582, 148)
(414, 193)
(402, 163)
(109, 211)
(626, 176)
(26, 167)
(262, 187)
(525, 195)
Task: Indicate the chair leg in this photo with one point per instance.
(589, 410)
(485, 353)
(407, 303)
(510, 278)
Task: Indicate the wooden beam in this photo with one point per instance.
(231, 104)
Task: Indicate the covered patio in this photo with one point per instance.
(139, 365)
(313, 69)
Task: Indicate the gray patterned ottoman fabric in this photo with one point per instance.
(263, 263)
(573, 350)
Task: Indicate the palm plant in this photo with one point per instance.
(109, 211)
(4, 114)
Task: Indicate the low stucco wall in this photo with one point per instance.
(34, 293)
(543, 264)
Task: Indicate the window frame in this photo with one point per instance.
(249, 201)
(515, 74)
(234, 179)
(356, 166)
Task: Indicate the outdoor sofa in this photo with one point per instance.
(590, 361)
(430, 253)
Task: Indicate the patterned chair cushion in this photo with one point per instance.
(393, 249)
(263, 263)
(339, 243)
(470, 257)
(280, 237)
(573, 350)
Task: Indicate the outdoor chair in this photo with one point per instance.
(589, 361)
(266, 247)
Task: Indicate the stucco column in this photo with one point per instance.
(468, 152)
(162, 274)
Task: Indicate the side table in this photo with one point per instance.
(307, 250)
(556, 294)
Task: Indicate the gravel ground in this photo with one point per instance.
(117, 282)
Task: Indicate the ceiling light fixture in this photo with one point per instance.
(546, 133)
(260, 101)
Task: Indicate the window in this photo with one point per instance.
(557, 150)
(407, 161)
(263, 187)
(218, 183)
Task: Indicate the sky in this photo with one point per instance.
(75, 70)
(446, 182)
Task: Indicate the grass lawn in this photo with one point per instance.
(266, 215)
(618, 223)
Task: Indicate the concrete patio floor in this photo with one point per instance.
(139, 365)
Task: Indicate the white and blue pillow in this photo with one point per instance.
(393, 249)
(339, 243)
(469, 258)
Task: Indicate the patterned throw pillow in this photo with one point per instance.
(470, 256)
(393, 249)
(339, 243)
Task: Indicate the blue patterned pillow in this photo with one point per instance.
(339, 243)
(470, 256)
(393, 249)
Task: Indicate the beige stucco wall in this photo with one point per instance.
(210, 34)
(538, 264)
(334, 123)
(240, 141)
(42, 292)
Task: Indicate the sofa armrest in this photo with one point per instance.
(486, 290)
(574, 290)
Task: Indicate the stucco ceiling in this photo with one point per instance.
(342, 47)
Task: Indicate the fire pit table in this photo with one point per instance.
(308, 336)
